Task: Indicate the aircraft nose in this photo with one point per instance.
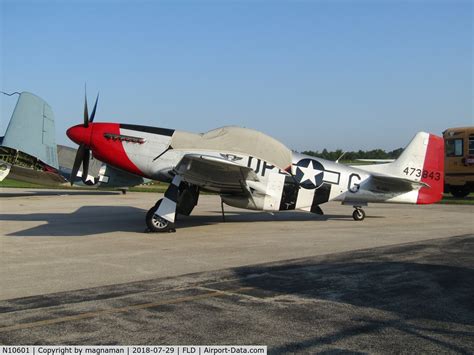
(80, 134)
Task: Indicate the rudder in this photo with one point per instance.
(433, 172)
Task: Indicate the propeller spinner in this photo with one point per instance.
(81, 135)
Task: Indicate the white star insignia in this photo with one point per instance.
(310, 173)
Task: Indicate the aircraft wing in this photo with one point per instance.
(31, 130)
(215, 174)
(387, 183)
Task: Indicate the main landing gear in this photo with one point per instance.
(358, 214)
(157, 224)
(180, 197)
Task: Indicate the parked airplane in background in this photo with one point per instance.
(28, 151)
(251, 170)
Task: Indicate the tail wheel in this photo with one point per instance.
(358, 214)
(156, 223)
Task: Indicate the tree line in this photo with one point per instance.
(361, 154)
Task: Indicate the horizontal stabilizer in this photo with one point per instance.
(392, 184)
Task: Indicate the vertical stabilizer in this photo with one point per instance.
(421, 161)
(31, 129)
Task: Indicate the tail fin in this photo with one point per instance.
(31, 129)
(422, 160)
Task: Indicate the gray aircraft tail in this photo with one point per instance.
(31, 129)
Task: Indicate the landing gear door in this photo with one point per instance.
(275, 185)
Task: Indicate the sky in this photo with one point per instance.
(313, 74)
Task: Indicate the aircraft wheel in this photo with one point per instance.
(157, 224)
(358, 214)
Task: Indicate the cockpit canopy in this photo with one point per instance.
(234, 139)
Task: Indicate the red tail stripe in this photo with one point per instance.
(433, 172)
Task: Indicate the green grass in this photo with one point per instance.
(19, 184)
(448, 199)
(9, 183)
(157, 188)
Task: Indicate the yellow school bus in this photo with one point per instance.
(459, 161)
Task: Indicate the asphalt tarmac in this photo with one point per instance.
(78, 269)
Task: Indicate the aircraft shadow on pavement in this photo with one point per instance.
(87, 220)
(249, 217)
(90, 220)
(420, 298)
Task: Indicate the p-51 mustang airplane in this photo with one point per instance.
(251, 170)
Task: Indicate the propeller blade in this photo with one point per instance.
(77, 163)
(93, 110)
(85, 164)
(86, 111)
